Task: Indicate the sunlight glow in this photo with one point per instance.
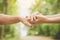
(23, 10)
(44, 2)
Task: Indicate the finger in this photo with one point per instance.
(28, 18)
(32, 18)
(36, 18)
(26, 22)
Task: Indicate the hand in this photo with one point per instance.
(36, 18)
(24, 21)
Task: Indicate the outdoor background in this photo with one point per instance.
(8, 32)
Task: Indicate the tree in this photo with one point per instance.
(5, 2)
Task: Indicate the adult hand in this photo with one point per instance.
(36, 18)
(24, 21)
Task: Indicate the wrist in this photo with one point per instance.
(19, 19)
(46, 19)
(43, 20)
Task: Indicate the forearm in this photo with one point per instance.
(53, 19)
(7, 19)
(53, 16)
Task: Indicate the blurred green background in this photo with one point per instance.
(43, 6)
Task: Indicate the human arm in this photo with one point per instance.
(8, 19)
(39, 18)
(53, 18)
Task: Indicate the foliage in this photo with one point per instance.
(43, 6)
(1, 5)
(9, 29)
(46, 7)
(12, 7)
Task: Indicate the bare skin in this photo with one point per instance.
(39, 18)
(7, 19)
(53, 18)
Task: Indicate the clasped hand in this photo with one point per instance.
(36, 18)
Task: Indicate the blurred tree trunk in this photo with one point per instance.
(5, 8)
